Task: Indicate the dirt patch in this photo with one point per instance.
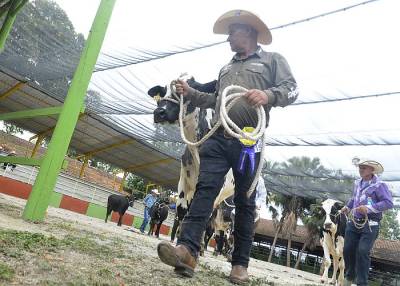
(73, 249)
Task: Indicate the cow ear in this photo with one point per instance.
(339, 205)
(157, 91)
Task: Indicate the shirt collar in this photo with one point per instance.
(257, 53)
(372, 181)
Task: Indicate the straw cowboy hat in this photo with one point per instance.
(222, 24)
(155, 191)
(378, 168)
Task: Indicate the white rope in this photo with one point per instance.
(235, 92)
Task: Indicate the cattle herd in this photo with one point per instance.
(196, 123)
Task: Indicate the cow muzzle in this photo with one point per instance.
(160, 115)
(328, 225)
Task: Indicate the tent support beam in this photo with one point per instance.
(12, 90)
(45, 182)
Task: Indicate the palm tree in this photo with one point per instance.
(312, 235)
(282, 202)
(294, 206)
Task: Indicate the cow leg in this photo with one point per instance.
(120, 219)
(220, 244)
(108, 212)
(335, 269)
(158, 230)
(151, 228)
(174, 228)
(202, 243)
(327, 263)
(341, 272)
(339, 251)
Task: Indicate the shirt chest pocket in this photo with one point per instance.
(257, 69)
(257, 76)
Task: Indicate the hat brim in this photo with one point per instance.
(222, 24)
(378, 168)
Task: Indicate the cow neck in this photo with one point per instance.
(190, 125)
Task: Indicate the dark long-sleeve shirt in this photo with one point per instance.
(262, 70)
(374, 194)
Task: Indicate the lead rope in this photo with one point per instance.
(357, 224)
(235, 92)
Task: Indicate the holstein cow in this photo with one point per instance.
(120, 204)
(195, 125)
(332, 239)
(158, 213)
(222, 223)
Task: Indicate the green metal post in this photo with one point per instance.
(39, 198)
(9, 21)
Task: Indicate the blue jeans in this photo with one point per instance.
(146, 218)
(357, 246)
(217, 155)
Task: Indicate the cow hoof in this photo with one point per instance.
(333, 282)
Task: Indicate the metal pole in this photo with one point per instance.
(38, 201)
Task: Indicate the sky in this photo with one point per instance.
(350, 53)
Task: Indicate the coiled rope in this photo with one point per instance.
(359, 225)
(230, 94)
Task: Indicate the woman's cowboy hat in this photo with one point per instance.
(222, 24)
(378, 168)
(155, 191)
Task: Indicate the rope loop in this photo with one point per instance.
(228, 98)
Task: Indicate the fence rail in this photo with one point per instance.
(77, 188)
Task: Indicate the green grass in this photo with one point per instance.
(6, 273)
(15, 243)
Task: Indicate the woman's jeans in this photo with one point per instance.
(357, 247)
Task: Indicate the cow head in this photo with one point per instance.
(329, 211)
(168, 111)
(130, 199)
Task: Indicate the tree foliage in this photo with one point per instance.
(12, 129)
(44, 46)
(390, 226)
(136, 184)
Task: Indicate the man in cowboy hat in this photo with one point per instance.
(270, 83)
(148, 202)
(370, 198)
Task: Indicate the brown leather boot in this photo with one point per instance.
(178, 257)
(239, 275)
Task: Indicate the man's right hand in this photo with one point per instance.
(182, 87)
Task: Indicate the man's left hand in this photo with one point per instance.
(362, 210)
(256, 97)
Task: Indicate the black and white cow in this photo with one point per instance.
(158, 213)
(222, 224)
(120, 204)
(332, 239)
(195, 125)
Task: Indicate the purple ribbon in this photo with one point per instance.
(251, 154)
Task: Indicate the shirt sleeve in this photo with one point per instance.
(350, 203)
(385, 200)
(202, 99)
(284, 91)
